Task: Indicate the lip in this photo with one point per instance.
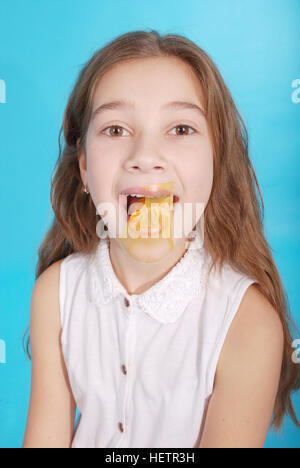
(149, 192)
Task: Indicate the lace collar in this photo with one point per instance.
(166, 300)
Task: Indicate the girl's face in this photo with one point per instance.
(148, 135)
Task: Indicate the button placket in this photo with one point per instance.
(129, 353)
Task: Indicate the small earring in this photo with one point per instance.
(85, 189)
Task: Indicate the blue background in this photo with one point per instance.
(43, 45)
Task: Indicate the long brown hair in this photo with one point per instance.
(233, 216)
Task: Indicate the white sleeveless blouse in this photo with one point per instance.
(141, 367)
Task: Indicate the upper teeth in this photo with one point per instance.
(143, 196)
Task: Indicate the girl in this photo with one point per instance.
(158, 346)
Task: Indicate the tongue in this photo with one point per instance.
(134, 204)
(149, 213)
(150, 219)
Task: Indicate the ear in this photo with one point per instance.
(82, 163)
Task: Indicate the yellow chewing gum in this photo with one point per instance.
(151, 220)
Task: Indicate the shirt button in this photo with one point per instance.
(121, 427)
(124, 369)
(126, 302)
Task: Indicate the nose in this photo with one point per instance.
(146, 161)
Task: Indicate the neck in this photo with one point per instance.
(137, 277)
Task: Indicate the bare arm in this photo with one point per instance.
(52, 407)
(247, 377)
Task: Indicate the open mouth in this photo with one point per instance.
(136, 202)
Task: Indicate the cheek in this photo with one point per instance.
(198, 176)
(101, 172)
(206, 178)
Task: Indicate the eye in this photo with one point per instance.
(113, 127)
(184, 126)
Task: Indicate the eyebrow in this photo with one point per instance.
(121, 104)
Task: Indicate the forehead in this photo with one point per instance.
(150, 82)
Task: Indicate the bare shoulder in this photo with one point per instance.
(247, 376)
(256, 330)
(52, 406)
(45, 295)
(49, 278)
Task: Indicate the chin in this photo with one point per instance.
(148, 250)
